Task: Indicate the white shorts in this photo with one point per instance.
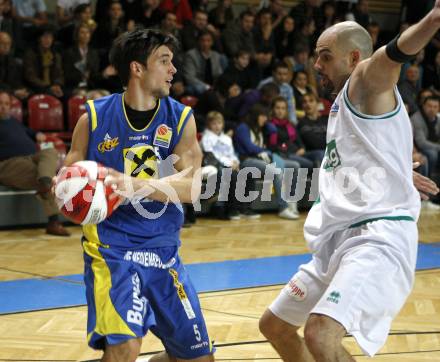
(360, 277)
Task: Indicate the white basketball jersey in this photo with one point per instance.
(366, 173)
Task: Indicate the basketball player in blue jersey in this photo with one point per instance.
(363, 236)
(134, 278)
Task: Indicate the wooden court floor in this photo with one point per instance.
(232, 316)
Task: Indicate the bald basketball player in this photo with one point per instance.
(362, 229)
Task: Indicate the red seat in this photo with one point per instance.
(76, 106)
(45, 113)
(16, 108)
(189, 101)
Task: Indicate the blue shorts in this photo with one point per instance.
(132, 291)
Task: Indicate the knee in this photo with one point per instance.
(124, 352)
(322, 332)
(275, 329)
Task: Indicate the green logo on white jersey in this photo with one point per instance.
(332, 159)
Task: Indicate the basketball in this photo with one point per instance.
(81, 193)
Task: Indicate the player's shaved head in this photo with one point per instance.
(351, 36)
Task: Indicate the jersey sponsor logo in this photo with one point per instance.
(182, 295)
(148, 259)
(139, 304)
(162, 137)
(108, 144)
(140, 161)
(334, 297)
(296, 289)
(138, 138)
(334, 109)
(332, 159)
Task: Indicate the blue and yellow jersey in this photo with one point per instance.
(144, 153)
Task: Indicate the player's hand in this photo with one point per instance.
(423, 184)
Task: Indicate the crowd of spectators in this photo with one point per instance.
(253, 69)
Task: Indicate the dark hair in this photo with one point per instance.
(431, 98)
(270, 89)
(253, 114)
(280, 64)
(203, 33)
(137, 46)
(298, 72)
(279, 99)
(80, 9)
(246, 13)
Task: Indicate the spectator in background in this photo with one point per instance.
(286, 141)
(168, 25)
(240, 36)
(23, 167)
(150, 15)
(219, 144)
(222, 15)
(373, 29)
(277, 12)
(306, 11)
(249, 144)
(313, 129)
(65, 11)
(240, 71)
(42, 65)
(300, 85)
(304, 36)
(181, 8)
(409, 88)
(263, 96)
(6, 24)
(81, 63)
(202, 65)
(417, 61)
(360, 14)
(264, 41)
(431, 75)
(30, 17)
(82, 17)
(11, 71)
(330, 14)
(284, 38)
(191, 31)
(281, 77)
(426, 126)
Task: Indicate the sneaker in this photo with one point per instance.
(56, 228)
(287, 213)
(250, 214)
(429, 205)
(233, 215)
(293, 206)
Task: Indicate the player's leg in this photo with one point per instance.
(280, 322)
(323, 337)
(179, 321)
(284, 338)
(165, 357)
(122, 352)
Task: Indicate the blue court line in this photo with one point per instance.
(66, 291)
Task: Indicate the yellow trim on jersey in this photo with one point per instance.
(108, 320)
(185, 112)
(94, 119)
(128, 121)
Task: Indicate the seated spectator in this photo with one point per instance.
(264, 41)
(375, 32)
(202, 65)
(216, 142)
(360, 14)
(239, 36)
(426, 126)
(418, 62)
(249, 144)
(225, 98)
(168, 25)
(277, 11)
(222, 15)
(285, 141)
(11, 72)
(306, 11)
(81, 63)
(409, 88)
(284, 38)
(313, 129)
(304, 35)
(150, 15)
(30, 16)
(300, 85)
(181, 8)
(82, 17)
(330, 15)
(264, 96)
(240, 71)
(6, 24)
(192, 31)
(23, 167)
(431, 75)
(43, 68)
(281, 77)
(65, 11)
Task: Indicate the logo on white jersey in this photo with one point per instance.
(332, 159)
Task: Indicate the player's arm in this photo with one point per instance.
(380, 73)
(183, 186)
(80, 140)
